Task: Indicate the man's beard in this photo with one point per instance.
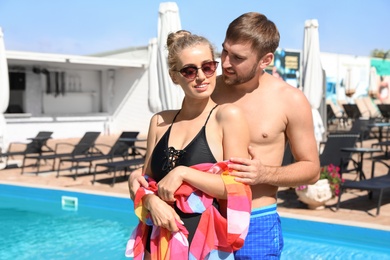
(230, 81)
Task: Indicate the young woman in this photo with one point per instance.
(180, 144)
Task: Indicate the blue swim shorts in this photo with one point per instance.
(264, 240)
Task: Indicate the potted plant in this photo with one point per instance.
(327, 187)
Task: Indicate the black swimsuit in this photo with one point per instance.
(164, 159)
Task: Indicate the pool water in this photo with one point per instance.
(35, 235)
(35, 225)
(40, 224)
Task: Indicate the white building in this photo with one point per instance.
(70, 95)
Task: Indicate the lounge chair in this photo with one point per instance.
(361, 127)
(379, 184)
(352, 111)
(124, 165)
(37, 146)
(385, 111)
(83, 147)
(120, 148)
(335, 114)
(372, 107)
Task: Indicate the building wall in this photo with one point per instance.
(19, 130)
(132, 111)
(347, 71)
(123, 106)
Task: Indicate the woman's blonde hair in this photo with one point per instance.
(182, 39)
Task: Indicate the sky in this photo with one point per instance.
(83, 27)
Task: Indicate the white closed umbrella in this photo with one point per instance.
(4, 88)
(163, 94)
(313, 75)
(154, 100)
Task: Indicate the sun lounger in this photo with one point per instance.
(37, 146)
(113, 167)
(120, 148)
(352, 111)
(83, 147)
(377, 184)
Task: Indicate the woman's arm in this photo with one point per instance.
(136, 178)
(162, 214)
(235, 142)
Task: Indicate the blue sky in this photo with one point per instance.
(85, 27)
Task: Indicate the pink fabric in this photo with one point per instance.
(215, 233)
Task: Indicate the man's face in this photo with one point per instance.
(239, 63)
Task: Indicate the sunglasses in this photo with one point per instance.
(191, 72)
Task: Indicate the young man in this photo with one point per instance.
(276, 113)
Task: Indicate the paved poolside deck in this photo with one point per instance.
(356, 208)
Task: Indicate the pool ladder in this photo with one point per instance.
(69, 203)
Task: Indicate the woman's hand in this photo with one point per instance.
(170, 183)
(163, 215)
(135, 181)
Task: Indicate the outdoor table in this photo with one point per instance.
(361, 151)
(380, 125)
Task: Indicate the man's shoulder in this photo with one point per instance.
(229, 109)
(288, 89)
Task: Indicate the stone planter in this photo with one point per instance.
(316, 195)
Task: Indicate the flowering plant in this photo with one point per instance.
(332, 174)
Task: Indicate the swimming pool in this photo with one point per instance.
(55, 224)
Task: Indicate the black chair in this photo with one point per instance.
(38, 145)
(361, 127)
(288, 157)
(83, 147)
(374, 184)
(385, 111)
(331, 116)
(113, 167)
(332, 154)
(124, 147)
(352, 111)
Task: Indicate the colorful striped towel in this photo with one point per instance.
(217, 235)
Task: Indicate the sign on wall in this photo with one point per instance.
(286, 65)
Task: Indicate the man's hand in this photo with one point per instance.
(136, 180)
(247, 171)
(163, 215)
(169, 184)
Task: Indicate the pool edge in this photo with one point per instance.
(335, 221)
(102, 193)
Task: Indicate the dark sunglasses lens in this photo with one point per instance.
(209, 68)
(189, 72)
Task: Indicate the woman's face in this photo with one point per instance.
(196, 64)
